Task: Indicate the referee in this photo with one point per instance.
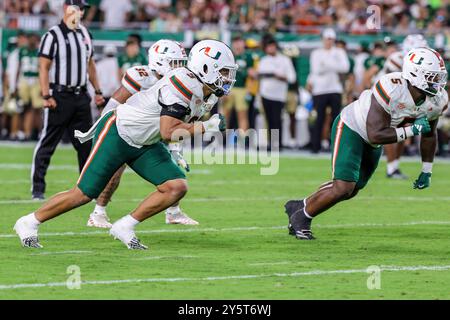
(65, 61)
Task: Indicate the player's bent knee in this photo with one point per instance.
(176, 188)
(343, 190)
(80, 197)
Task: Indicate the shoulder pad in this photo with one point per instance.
(387, 88)
(185, 84)
(138, 78)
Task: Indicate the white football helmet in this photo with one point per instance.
(213, 63)
(165, 55)
(425, 69)
(413, 41)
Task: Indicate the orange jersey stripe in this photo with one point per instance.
(337, 142)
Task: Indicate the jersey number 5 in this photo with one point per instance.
(396, 81)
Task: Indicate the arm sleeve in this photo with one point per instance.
(47, 46)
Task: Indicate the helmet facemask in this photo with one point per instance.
(225, 81)
(436, 81)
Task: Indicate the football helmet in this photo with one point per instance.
(213, 63)
(425, 69)
(165, 55)
(413, 41)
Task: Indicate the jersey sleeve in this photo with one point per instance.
(136, 79)
(386, 89)
(47, 47)
(184, 85)
(171, 103)
(441, 102)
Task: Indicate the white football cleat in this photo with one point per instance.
(27, 232)
(127, 236)
(99, 220)
(180, 218)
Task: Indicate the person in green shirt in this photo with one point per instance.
(29, 90)
(237, 99)
(131, 57)
(373, 64)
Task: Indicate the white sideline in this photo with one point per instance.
(233, 229)
(235, 277)
(50, 253)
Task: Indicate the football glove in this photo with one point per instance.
(420, 126)
(177, 154)
(215, 124)
(423, 181)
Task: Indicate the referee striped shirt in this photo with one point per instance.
(70, 51)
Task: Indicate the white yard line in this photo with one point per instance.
(238, 229)
(229, 277)
(50, 253)
(165, 257)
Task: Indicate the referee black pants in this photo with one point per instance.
(320, 103)
(72, 113)
(273, 109)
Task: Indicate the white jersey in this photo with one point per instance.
(179, 91)
(138, 78)
(392, 93)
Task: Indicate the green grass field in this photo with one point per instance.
(241, 249)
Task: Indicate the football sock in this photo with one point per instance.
(306, 213)
(31, 218)
(129, 221)
(99, 209)
(392, 166)
(173, 210)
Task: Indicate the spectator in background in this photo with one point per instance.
(237, 99)
(29, 90)
(115, 13)
(326, 65)
(275, 71)
(131, 57)
(108, 82)
(12, 109)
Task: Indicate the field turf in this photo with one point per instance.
(241, 249)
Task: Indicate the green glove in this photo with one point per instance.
(223, 123)
(423, 181)
(421, 125)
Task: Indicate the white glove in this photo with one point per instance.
(176, 150)
(215, 124)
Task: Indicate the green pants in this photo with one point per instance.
(353, 159)
(109, 152)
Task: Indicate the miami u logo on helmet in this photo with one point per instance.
(158, 51)
(208, 49)
(419, 62)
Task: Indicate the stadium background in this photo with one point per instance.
(241, 249)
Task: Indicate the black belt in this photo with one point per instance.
(68, 89)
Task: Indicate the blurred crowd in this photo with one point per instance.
(399, 17)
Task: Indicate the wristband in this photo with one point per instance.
(98, 92)
(403, 133)
(427, 167)
(46, 97)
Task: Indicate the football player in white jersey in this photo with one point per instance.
(394, 64)
(163, 56)
(133, 134)
(399, 106)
